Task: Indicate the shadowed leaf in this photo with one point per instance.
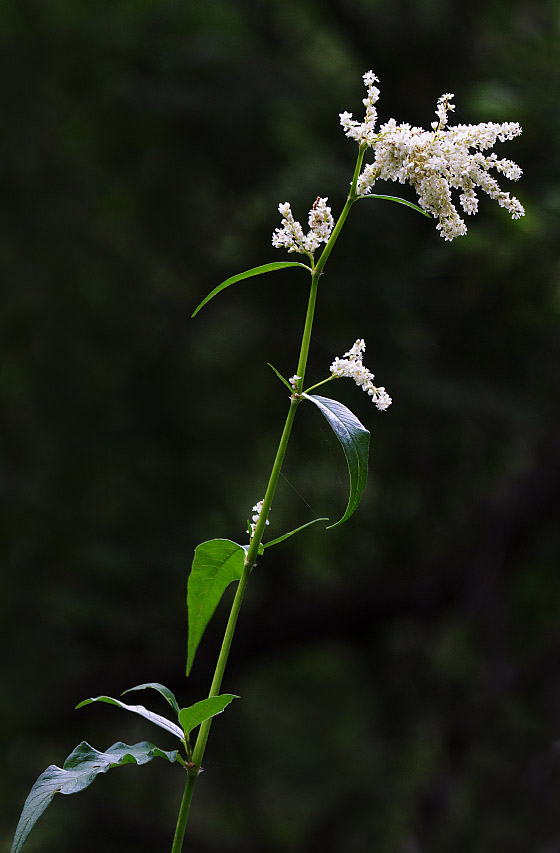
(80, 769)
(354, 438)
(169, 696)
(157, 719)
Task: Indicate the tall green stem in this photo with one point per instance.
(253, 550)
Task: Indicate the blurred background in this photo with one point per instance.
(399, 675)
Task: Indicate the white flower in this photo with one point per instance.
(257, 509)
(352, 367)
(436, 161)
(293, 380)
(364, 132)
(291, 236)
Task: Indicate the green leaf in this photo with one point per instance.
(354, 438)
(157, 719)
(216, 564)
(165, 692)
(280, 377)
(291, 533)
(399, 200)
(192, 717)
(280, 265)
(80, 769)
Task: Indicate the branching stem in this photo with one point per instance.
(253, 550)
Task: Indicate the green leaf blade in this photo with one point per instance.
(157, 719)
(280, 377)
(279, 265)
(399, 201)
(291, 533)
(80, 769)
(354, 439)
(165, 692)
(196, 714)
(216, 564)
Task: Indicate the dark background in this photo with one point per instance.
(400, 675)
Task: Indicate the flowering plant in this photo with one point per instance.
(435, 162)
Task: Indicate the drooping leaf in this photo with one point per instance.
(80, 769)
(280, 377)
(165, 692)
(216, 564)
(280, 265)
(291, 533)
(354, 438)
(157, 719)
(193, 716)
(399, 200)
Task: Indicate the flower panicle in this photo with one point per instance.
(291, 237)
(351, 366)
(436, 161)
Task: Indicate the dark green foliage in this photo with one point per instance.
(80, 769)
(157, 719)
(354, 440)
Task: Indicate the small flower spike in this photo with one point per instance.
(351, 366)
(436, 161)
(291, 237)
(257, 509)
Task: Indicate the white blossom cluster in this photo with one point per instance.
(364, 132)
(257, 509)
(436, 161)
(351, 366)
(293, 380)
(291, 237)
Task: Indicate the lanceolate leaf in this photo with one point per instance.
(216, 564)
(165, 691)
(354, 438)
(80, 769)
(291, 533)
(157, 719)
(399, 200)
(192, 717)
(280, 377)
(279, 265)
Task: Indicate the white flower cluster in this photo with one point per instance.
(291, 236)
(364, 132)
(257, 509)
(293, 380)
(436, 161)
(351, 366)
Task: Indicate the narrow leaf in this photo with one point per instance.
(399, 200)
(193, 716)
(354, 438)
(279, 265)
(280, 377)
(165, 692)
(291, 533)
(157, 719)
(216, 564)
(80, 769)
